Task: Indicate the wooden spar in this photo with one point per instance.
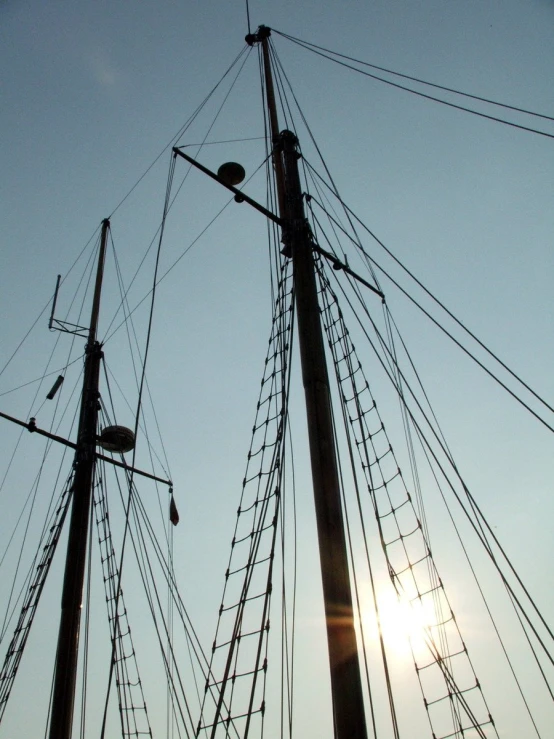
(67, 653)
(263, 35)
(346, 684)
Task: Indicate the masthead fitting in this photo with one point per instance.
(231, 173)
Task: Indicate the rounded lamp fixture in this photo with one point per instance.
(231, 173)
(118, 439)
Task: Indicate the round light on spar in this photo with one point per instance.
(117, 439)
(231, 173)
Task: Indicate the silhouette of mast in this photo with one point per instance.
(65, 676)
(346, 685)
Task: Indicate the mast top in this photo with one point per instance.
(255, 38)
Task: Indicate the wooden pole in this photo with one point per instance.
(346, 684)
(65, 677)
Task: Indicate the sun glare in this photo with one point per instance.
(402, 624)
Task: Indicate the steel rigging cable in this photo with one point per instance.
(308, 44)
(424, 95)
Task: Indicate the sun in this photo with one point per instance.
(404, 626)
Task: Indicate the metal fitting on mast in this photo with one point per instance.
(263, 32)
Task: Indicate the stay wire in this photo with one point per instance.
(145, 566)
(289, 649)
(285, 105)
(319, 152)
(384, 657)
(86, 629)
(118, 587)
(294, 577)
(183, 254)
(477, 511)
(40, 379)
(437, 301)
(270, 185)
(415, 79)
(136, 425)
(450, 336)
(182, 130)
(484, 599)
(170, 205)
(168, 573)
(170, 143)
(32, 497)
(37, 319)
(177, 599)
(136, 347)
(429, 97)
(416, 481)
(108, 373)
(248, 17)
(535, 655)
(436, 653)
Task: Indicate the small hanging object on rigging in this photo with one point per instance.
(173, 512)
(117, 439)
(55, 387)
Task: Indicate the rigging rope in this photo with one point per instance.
(415, 79)
(424, 95)
(43, 311)
(480, 519)
(236, 666)
(248, 17)
(426, 290)
(37, 577)
(132, 705)
(399, 541)
(183, 254)
(442, 328)
(182, 130)
(137, 420)
(172, 141)
(169, 205)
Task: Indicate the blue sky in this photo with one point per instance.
(91, 94)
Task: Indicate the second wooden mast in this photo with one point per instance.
(65, 676)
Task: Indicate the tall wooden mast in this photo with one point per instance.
(65, 677)
(346, 685)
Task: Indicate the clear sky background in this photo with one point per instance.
(92, 92)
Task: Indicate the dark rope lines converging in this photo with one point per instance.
(331, 56)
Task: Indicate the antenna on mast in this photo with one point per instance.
(54, 301)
